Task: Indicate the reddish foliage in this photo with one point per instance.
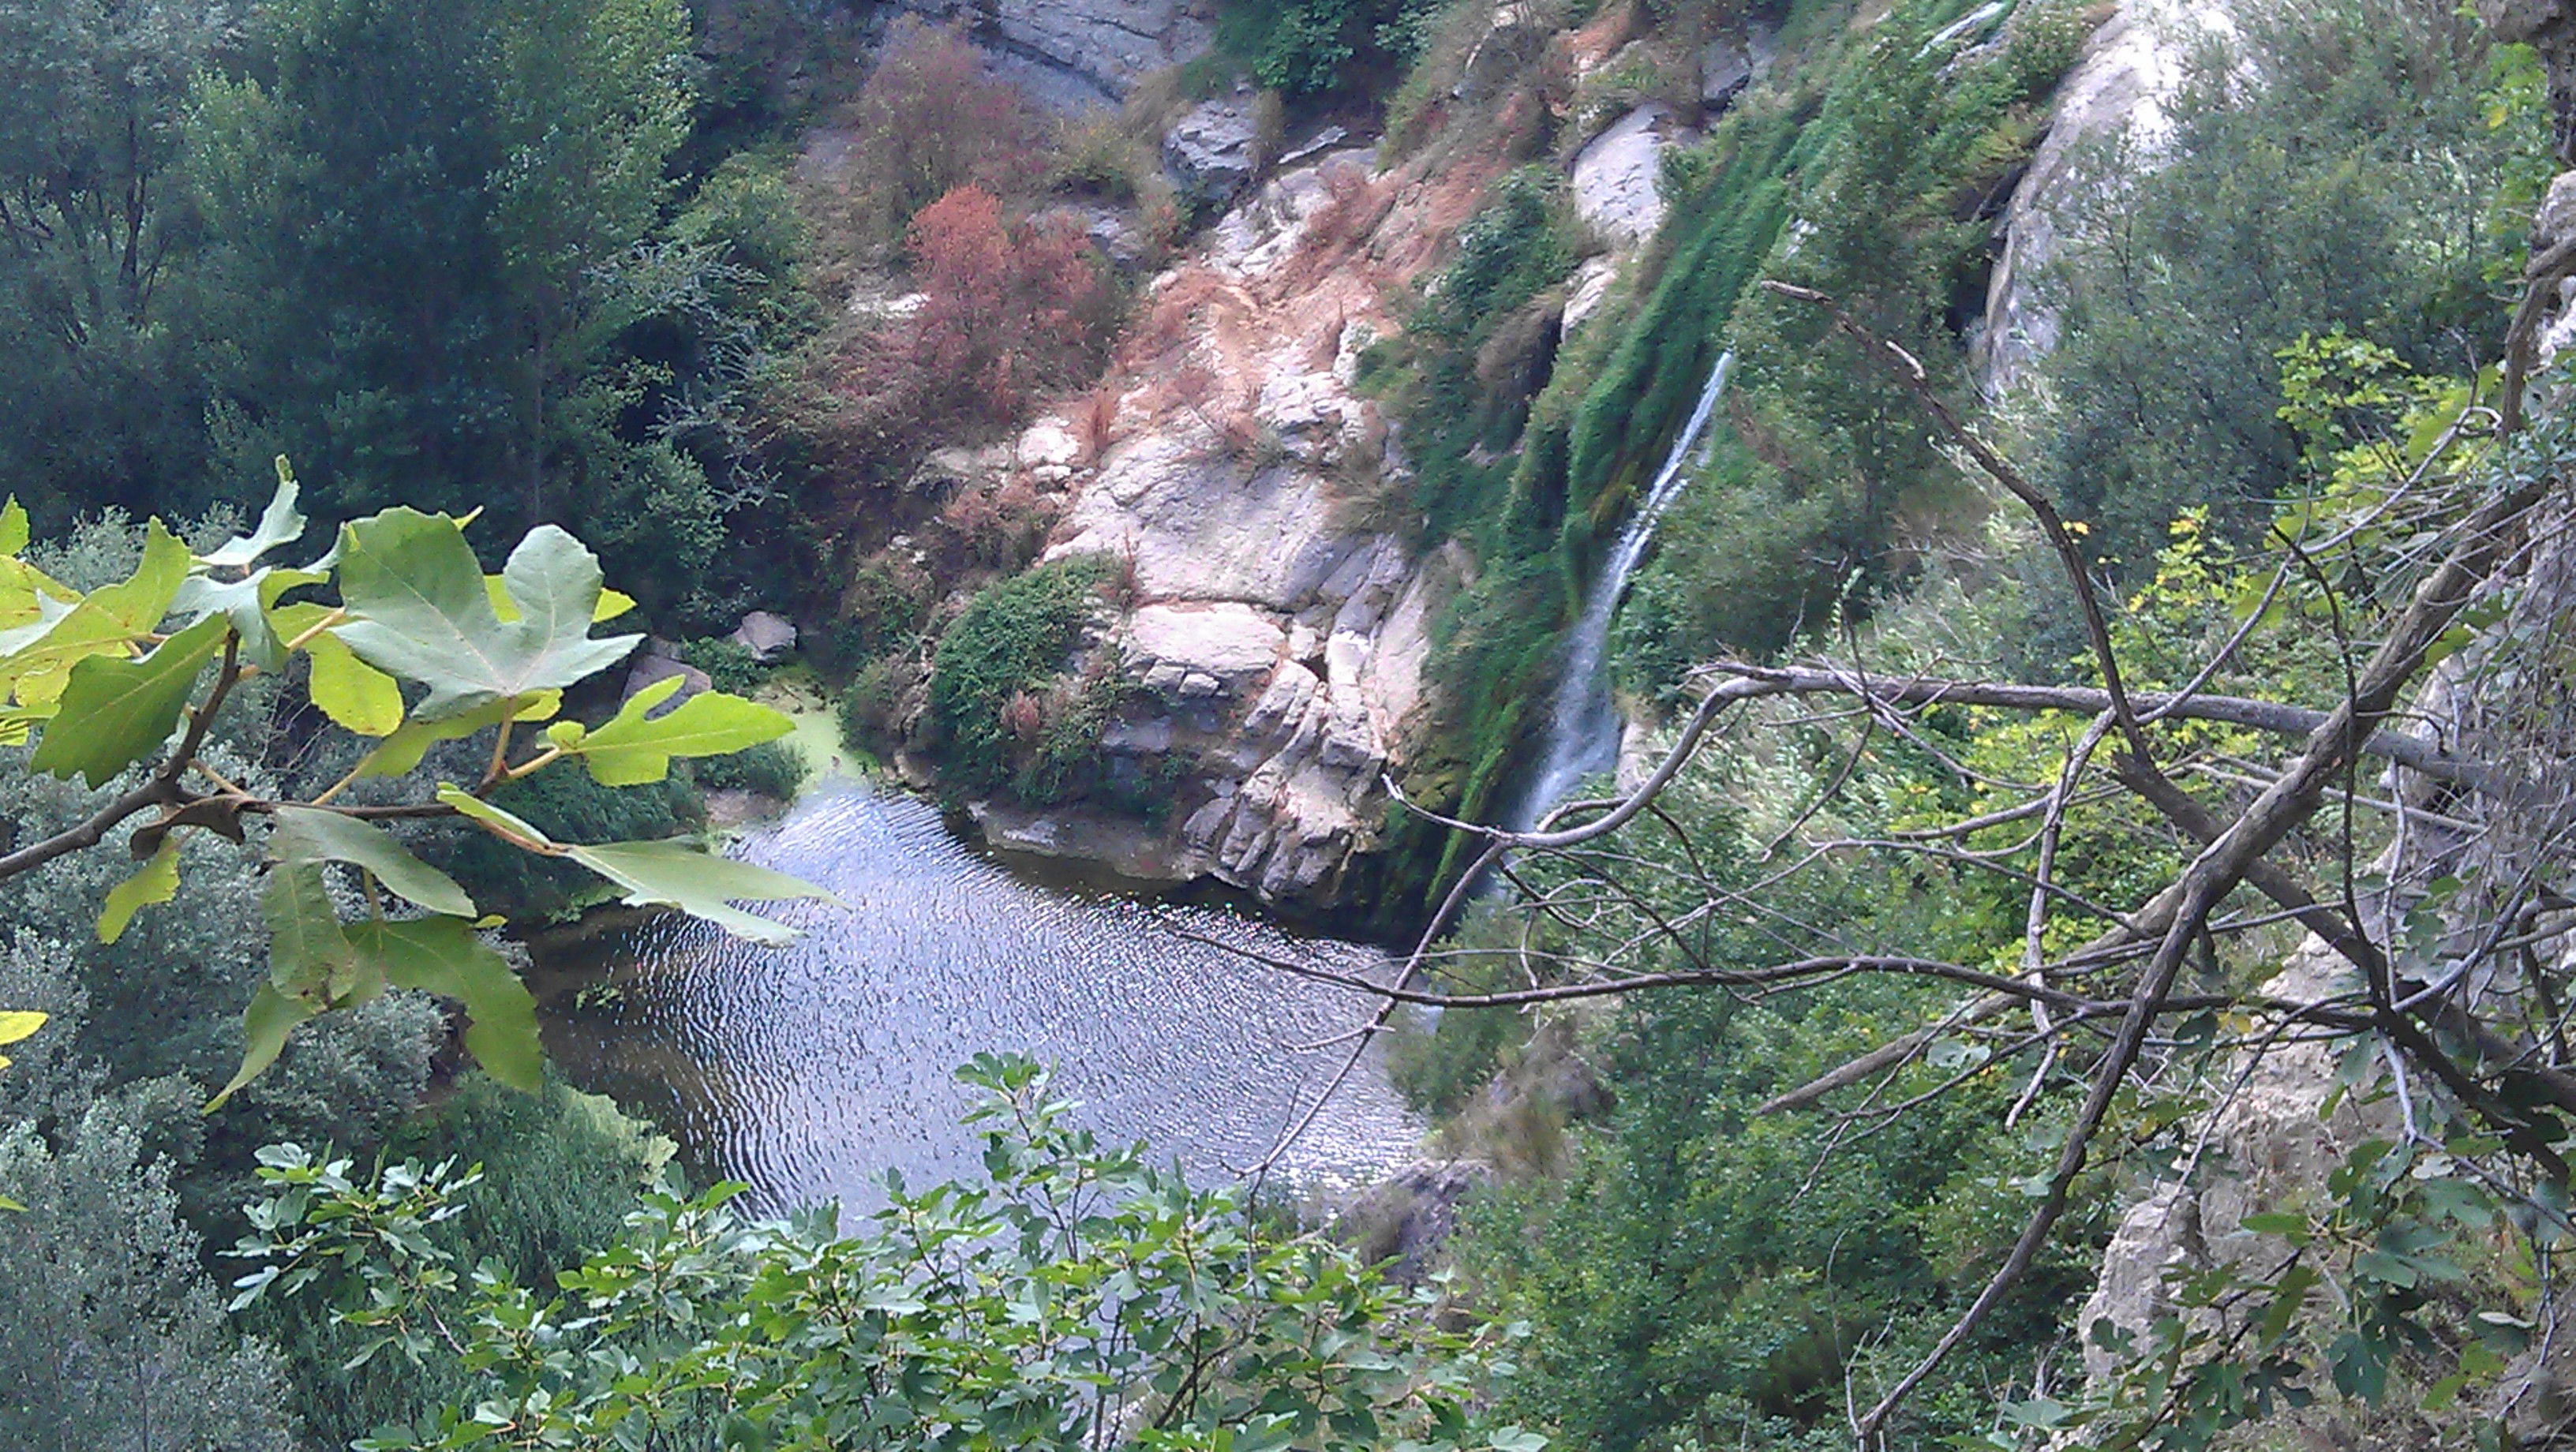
(1005, 309)
(998, 528)
(1022, 717)
(931, 119)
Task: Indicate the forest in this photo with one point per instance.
(2067, 944)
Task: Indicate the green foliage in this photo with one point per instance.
(115, 1337)
(439, 264)
(1704, 1273)
(1014, 635)
(775, 769)
(2291, 200)
(733, 668)
(561, 1171)
(105, 404)
(101, 679)
(1313, 48)
(1080, 1299)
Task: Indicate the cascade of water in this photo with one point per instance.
(1583, 729)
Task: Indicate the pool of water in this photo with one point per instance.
(810, 1071)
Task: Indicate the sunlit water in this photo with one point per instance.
(809, 1071)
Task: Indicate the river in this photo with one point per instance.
(810, 1071)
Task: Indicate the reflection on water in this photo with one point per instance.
(811, 1070)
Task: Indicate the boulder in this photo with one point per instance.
(1725, 69)
(1616, 176)
(2131, 68)
(768, 637)
(1214, 151)
(653, 669)
(1223, 647)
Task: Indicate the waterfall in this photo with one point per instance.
(1583, 727)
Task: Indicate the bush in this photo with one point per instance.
(1013, 638)
(771, 769)
(2296, 201)
(733, 668)
(561, 1170)
(1308, 48)
(872, 704)
(929, 120)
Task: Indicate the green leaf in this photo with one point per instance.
(265, 1024)
(157, 881)
(630, 750)
(308, 947)
(245, 602)
(115, 712)
(37, 656)
(16, 1024)
(441, 955)
(278, 524)
(2293, 1228)
(505, 823)
(422, 612)
(611, 604)
(307, 834)
(13, 527)
(663, 874)
(404, 747)
(699, 884)
(354, 694)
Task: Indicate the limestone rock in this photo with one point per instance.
(1725, 69)
(1616, 176)
(768, 637)
(1079, 52)
(2130, 69)
(1213, 151)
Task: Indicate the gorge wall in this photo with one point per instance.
(1075, 53)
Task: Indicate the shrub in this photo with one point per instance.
(771, 769)
(1313, 47)
(733, 668)
(872, 704)
(1014, 636)
(561, 1170)
(1006, 308)
(931, 119)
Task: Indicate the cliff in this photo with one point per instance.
(1076, 53)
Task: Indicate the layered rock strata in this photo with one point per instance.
(1281, 606)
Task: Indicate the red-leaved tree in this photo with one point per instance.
(1007, 308)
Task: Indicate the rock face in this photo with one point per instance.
(2117, 93)
(1615, 175)
(1213, 151)
(1080, 52)
(768, 637)
(1280, 616)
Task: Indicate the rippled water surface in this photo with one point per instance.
(811, 1070)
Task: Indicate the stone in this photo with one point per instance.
(1616, 176)
(2129, 70)
(1590, 289)
(1725, 69)
(1226, 642)
(1079, 53)
(768, 637)
(1511, 44)
(1213, 152)
(653, 669)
